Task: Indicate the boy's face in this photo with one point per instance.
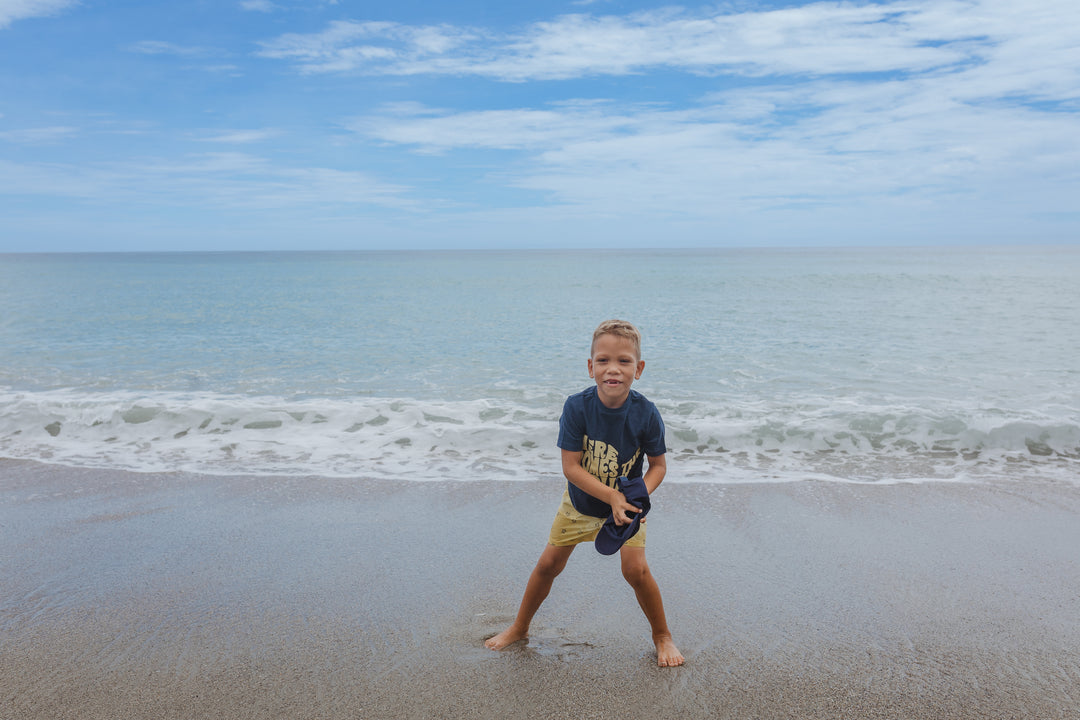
(615, 366)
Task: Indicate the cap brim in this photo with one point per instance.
(611, 536)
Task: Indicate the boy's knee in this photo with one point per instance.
(635, 573)
(550, 566)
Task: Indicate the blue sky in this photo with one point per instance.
(308, 124)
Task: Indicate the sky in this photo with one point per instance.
(320, 124)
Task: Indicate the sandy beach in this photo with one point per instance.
(182, 596)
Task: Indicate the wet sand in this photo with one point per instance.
(182, 596)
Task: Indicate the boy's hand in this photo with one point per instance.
(621, 510)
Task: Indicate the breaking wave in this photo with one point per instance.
(505, 439)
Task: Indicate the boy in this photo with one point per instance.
(603, 433)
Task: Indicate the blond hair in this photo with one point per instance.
(618, 328)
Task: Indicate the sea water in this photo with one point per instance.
(855, 365)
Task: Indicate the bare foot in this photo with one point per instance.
(506, 638)
(667, 655)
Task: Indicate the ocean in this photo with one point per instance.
(769, 365)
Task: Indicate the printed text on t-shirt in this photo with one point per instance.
(602, 461)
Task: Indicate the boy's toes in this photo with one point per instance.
(504, 639)
(667, 655)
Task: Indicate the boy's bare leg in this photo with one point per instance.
(636, 571)
(551, 563)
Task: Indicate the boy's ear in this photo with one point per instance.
(640, 367)
(590, 367)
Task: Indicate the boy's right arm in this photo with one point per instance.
(587, 482)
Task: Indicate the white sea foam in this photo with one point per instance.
(508, 440)
(845, 440)
(219, 434)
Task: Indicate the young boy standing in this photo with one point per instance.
(605, 432)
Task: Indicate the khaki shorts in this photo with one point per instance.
(571, 527)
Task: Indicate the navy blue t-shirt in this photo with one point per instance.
(613, 442)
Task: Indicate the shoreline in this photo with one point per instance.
(182, 596)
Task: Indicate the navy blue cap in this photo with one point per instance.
(611, 536)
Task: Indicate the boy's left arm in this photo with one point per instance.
(656, 472)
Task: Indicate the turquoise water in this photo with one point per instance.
(854, 365)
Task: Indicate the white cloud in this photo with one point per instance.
(39, 136)
(12, 10)
(258, 5)
(821, 38)
(223, 181)
(159, 47)
(814, 39)
(241, 136)
(347, 45)
(962, 120)
(198, 55)
(1001, 48)
(811, 145)
(520, 129)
